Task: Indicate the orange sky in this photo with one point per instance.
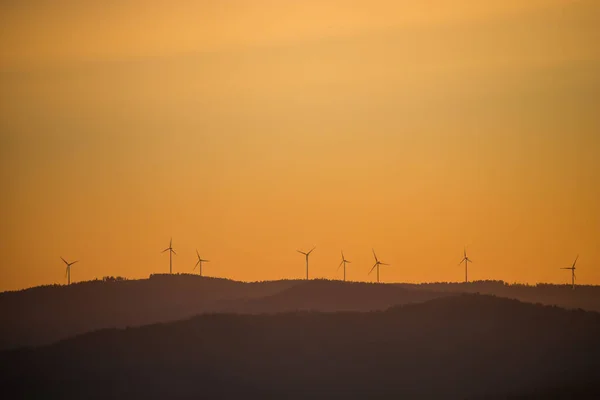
(250, 129)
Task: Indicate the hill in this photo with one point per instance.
(46, 314)
(43, 315)
(467, 346)
(332, 296)
(586, 297)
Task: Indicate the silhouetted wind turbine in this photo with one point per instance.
(199, 263)
(306, 254)
(466, 260)
(171, 252)
(572, 268)
(344, 261)
(377, 264)
(68, 271)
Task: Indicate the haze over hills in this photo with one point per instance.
(46, 314)
(467, 346)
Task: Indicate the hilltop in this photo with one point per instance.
(466, 346)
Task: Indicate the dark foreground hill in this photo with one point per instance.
(468, 346)
(44, 315)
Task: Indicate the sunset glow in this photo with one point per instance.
(249, 130)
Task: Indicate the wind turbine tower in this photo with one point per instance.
(377, 264)
(68, 271)
(572, 268)
(344, 261)
(199, 262)
(171, 252)
(466, 260)
(306, 255)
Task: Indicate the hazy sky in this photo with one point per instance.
(250, 129)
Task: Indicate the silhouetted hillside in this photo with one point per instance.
(586, 297)
(332, 296)
(46, 314)
(468, 346)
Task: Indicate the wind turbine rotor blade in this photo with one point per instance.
(198, 254)
(76, 261)
(173, 251)
(373, 268)
(339, 266)
(205, 261)
(311, 250)
(576, 258)
(168, 248)
(383, 264)
(461, 261)
(197, 263)
(375, 255)
(301, 252)
(65, 261)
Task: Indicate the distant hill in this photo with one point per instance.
(457, 347)
(586, 297)
(46, 314)
(43, 315)
(331, 296)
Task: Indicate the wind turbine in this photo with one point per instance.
(68, 271)
(306, 255)
(171, 252)
(199, 263)
(572, 268)
(377, 264)
(466, 260)
(344, 261)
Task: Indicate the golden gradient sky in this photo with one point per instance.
(250, 129)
